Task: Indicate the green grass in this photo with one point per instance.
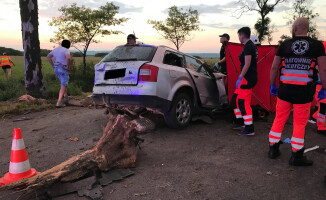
(14, 87)
(15, 108)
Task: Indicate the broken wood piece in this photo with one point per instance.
(117, 148)
(75, 139)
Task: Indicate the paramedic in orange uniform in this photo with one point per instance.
(298, 58)
(320, 114)
(247, 80)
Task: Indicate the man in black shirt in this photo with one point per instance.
(245, 83)
(222, 63)
(298, 57)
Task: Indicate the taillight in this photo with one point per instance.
(148, 73)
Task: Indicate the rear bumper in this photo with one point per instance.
(153, 102)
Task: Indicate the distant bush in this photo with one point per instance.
(44, 52)
(85, 81)
(10, 51)
(76, 54)
(101, 54)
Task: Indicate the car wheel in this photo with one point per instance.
(180, 114)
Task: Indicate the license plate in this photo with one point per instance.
(113, 74)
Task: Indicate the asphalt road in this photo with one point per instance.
(201, 162)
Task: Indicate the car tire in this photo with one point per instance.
(180, 114)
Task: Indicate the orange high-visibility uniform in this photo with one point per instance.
(297, 76)
(243, 100)
(320, 114)
(5, 61)
(301, 114)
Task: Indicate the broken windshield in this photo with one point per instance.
(131, 53)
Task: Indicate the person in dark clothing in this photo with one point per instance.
(298, 58)
(222, 63)
(246, 82)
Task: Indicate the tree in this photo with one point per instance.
(31, 45)
(263, 7)
(81, 25)
(178, 26)
(302, 8)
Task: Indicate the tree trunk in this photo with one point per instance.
(31, 45)
(84, 63)
(116, 148)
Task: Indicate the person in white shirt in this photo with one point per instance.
(61, 65)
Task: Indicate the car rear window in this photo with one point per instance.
(131, 53)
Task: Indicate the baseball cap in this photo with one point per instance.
(131, 36)
(225, 35)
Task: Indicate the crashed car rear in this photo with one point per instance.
(158, 77)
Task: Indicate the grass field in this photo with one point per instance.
(18, 70)
(11, 89)
(14, 87)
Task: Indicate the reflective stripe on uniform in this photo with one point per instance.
(275, 134)
(300, 79)
(273, 140)
(321, 115)
(320, 119)
(297, 140)
(247, 117)
(297, 146)
(248, 123)
(294, 71)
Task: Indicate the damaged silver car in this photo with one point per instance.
(161, 78)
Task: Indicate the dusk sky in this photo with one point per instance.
(216, 17)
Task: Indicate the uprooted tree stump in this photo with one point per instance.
(117, 147)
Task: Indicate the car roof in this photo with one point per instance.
(177, 51)
(168, 48)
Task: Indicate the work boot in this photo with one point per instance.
(274, 150)
(298, 159)
(246, 133)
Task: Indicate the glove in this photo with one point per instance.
(238, 82)
(274, 90)
(321, 94)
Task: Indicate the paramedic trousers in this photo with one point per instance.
(320, 114)
(241, 101)
(301, 114)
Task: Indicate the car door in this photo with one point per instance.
(205, 84)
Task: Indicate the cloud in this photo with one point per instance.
(281, 8)
(223, 26)
(212, 9)
(127, 8)
(50, 8)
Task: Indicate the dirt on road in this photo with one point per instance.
(200, 162)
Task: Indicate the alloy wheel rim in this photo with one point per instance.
(183, 111)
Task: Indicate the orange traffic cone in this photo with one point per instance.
(19, 167)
